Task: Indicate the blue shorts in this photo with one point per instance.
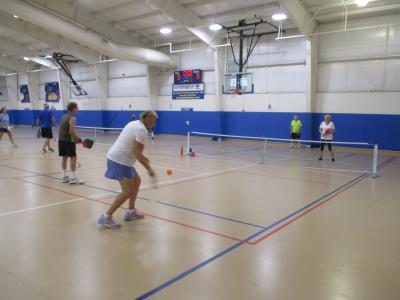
(118, 172)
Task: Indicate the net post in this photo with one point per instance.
(375, 162)
(95, 133)
(188, 142)
(264, 152)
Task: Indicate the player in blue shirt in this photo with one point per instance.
(45, 120)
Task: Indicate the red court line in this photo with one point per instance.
(279, 228)
(146, 214)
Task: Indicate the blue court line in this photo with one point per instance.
(238, 244)
(206, 213)
(146, 199)
(179, 207)
(233, 247)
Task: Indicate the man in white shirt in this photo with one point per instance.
(327, 129)
(127, 149)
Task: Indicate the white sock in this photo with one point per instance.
(65, 173)
(73, 174)
(106, 215)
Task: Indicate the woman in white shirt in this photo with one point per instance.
(121, 158)
(327, 129)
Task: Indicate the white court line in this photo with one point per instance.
(335, 170)
(154, 165)
(14, 212)
(205, 175)
(190, 178)
(180, 170)
(237, 159)
(218, 157)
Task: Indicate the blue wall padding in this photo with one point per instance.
(381, 129)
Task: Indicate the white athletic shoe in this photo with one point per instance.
(108, 222)
(65, 179)
(76, 180)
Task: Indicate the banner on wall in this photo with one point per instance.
(3, 89)
(52, 90)
(24, 91)
(188, 91)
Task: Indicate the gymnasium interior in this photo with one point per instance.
(240, 208)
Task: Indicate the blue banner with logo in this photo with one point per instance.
(188, 91)
(24, 90)
(52, 90)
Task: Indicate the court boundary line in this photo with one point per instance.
(321, 201)
(147, 199)
(288, 178)
(23, 210)
(124, 208)
(334, 193)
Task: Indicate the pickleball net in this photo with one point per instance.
(350, 157)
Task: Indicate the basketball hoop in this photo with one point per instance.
(61, 60)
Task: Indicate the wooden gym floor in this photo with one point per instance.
(222, 226)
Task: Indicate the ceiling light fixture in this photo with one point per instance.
(362, 3)
(279, 17)
(48, 56)
(15, 16)
(215, 27)
(26, 58)
(165, 30)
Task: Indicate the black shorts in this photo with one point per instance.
(66, 149)
(327, 142)
(295, 136)
(4, 130)
(47, 132)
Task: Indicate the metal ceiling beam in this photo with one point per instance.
(4, 71)
(319, 7)
(174, 10)
(360, 11)
(200, 3)
(300, 16)
(116, 7)
(55, 41)
(240, 11)
(79, 15)
(8, 47)
(177, 34)
(14, 65)
(73, 31)
(139, 17)
(157, 27)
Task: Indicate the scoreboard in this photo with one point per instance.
(188, 84)
(188, 76)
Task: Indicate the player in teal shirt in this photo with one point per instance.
(5, 125)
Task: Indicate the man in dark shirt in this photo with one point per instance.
(67, 143)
